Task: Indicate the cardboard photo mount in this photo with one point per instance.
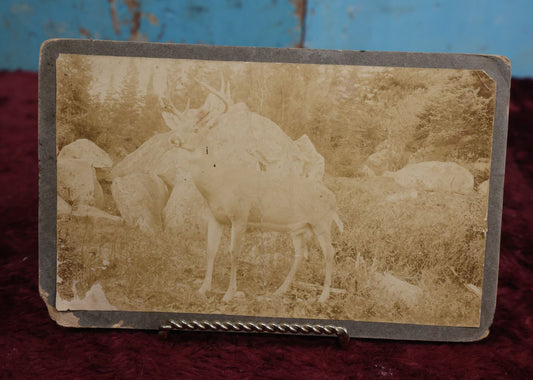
(495, 67)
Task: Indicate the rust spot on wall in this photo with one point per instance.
(152, 19)
(135, 26)
(84, 32)
(300, 8)
(114, 16)
(134, 8)
(161, 32)
(300, 13)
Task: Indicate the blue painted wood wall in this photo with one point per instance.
(463, 26)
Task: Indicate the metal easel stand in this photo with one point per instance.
(256, 327)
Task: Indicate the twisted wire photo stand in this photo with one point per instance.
(256, 327)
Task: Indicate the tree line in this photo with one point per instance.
(348, 112)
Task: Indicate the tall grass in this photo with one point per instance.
(434, 241)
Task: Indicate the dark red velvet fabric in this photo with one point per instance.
(33, 346)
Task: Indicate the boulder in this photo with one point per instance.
(63, 207)
(158, 155)
(238, 136)
(77, 183)
(140, 199)
(186, 212)
(378, 162)
(247, 138)
(84, 149)
(146, 158)
(435, 176)
(313, 162)
(483, 187)
(398, 290)
(173, 162)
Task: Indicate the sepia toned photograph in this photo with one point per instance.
(289, 190)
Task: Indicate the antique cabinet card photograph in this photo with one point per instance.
(353, 189)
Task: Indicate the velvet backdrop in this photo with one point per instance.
(33, 346)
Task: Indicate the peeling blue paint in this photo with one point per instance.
(460, 26)
(26, 24)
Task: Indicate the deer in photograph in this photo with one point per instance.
(244, 198)
(195, 123)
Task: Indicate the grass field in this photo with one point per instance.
(429, 242)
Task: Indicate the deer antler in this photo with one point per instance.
(172, 116)
(167, 103)
(224, 92)
(172, 108)
(224, 88)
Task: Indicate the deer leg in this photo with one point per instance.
(300, 247)
(324, 239)
(308, 235)
(237, 232)
(214, 232)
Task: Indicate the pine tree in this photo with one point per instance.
(74, 102)
(128, 109)
(150, 119)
